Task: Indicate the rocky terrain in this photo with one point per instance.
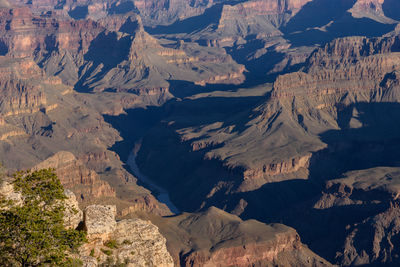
(40, 66)
(134, 61)
(372, 193)
(277, 111)
(301, 129)
(132, 242)
(34, 128)
(194, 239)
(216, 238)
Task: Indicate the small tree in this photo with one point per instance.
(33, 234)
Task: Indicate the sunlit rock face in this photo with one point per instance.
(137, 242)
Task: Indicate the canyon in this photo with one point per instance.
(225, 133)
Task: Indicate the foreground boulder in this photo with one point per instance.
(142, 244)
(100, 221)
(73, 215)
(133, 242)
(8, 193)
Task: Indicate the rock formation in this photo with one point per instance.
(283, 132)
(217, 238)
(340, 105)
(100, 221)
(373, 193)
(211, 131)
(34, 127)
(8, 193)
(133, 241)
(138, 62)
(73, 215)
(75, 176)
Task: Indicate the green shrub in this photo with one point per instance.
(111, 244)
(127, 242)
(33, 234)
(106, 251)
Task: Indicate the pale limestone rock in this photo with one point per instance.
(59, 159)
(7, 191)
(100, 221)
(73, 215)
(141, 244)
(88, 261)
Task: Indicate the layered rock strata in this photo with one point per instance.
(372, 197)
(134, 242)
(217, 238)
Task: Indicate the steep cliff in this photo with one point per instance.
(217, 238)
(305, 104)
(133, 242)
(277, 147)
(372, 196)
(149, 64)
(132, 61)
(76, 177)
(34, 127)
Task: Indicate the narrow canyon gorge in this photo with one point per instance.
(210, 132)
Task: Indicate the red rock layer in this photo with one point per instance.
(85, 183)
(25, 34)
(246, 255)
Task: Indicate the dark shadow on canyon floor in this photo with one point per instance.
(318, 13)
(165, 158)
(391, 9)
(375, 143)
(189, 25)
(189, 177)
(79, 12)
(113, 50)
(337, 29)
(210, 16)
(133, 126)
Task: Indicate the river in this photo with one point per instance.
(162, 194)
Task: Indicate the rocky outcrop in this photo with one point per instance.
(8, 193)
(73, 215)
(373, 194)
(372, 9)
(167, 11)
(143, 244)
(76, 177)
(100, 221)
(217, 238)
(133, 241)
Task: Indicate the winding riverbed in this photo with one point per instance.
(162, 194)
